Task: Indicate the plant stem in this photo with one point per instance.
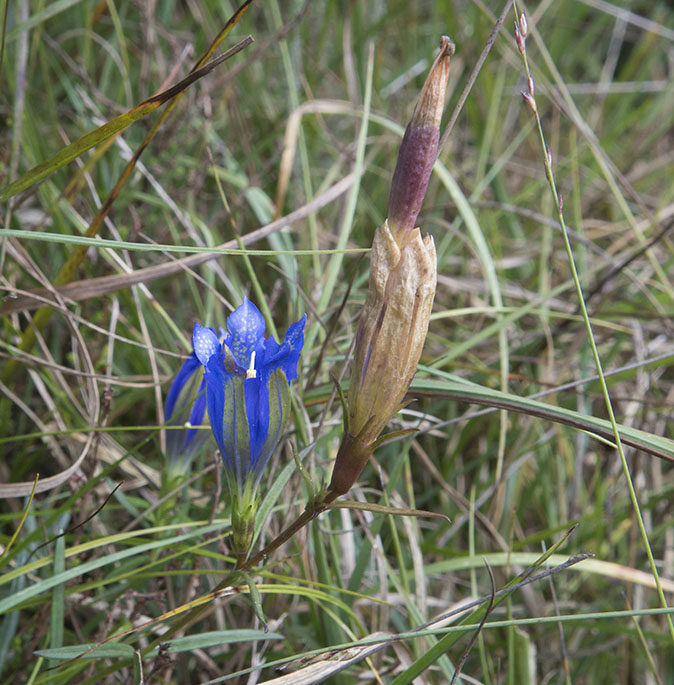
(313, 509)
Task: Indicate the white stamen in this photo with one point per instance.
(188, 424)
(251, 373)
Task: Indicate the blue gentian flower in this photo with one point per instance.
(186, 407)
(247, 380)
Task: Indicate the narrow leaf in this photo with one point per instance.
(476, 394)
(256, 599)
(382, 509)
(181, 644)
(111, 651)
(525, 658)
(217, 637)
(23, 519)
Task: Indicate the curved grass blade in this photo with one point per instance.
(181, 644)
(112, 127)
(475, 394)
(69, 269)
(21, 522)
(444, 643)
(96, 287)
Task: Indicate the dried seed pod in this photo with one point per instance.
(403, 276)
(390, 338)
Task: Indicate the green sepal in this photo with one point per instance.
(244, 506)
(394, 435)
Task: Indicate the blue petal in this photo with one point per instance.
(294, 338)
(247, 414)
(190, 366)
(277, 397)
(286, 355)
(236, 442)
(186, 401)
(205, 343)
(257, 413)
(216, 378)
(274, 354)
(198, 412)
(246, 333)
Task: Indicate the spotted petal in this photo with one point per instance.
(248, 389)
(246, 333)
(205, 343)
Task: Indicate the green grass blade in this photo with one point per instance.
(26, 509)
(57, 614)
(102, 133)
(17, 598)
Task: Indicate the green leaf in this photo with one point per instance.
(256, 599)
(182, 644)
(137, 669)
(477, 394)
(51, 10)
(22, 521)
(15, 599)
(111, 651)
(217, 637)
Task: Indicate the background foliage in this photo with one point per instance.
(319, 99)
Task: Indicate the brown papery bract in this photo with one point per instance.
(390, 338)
